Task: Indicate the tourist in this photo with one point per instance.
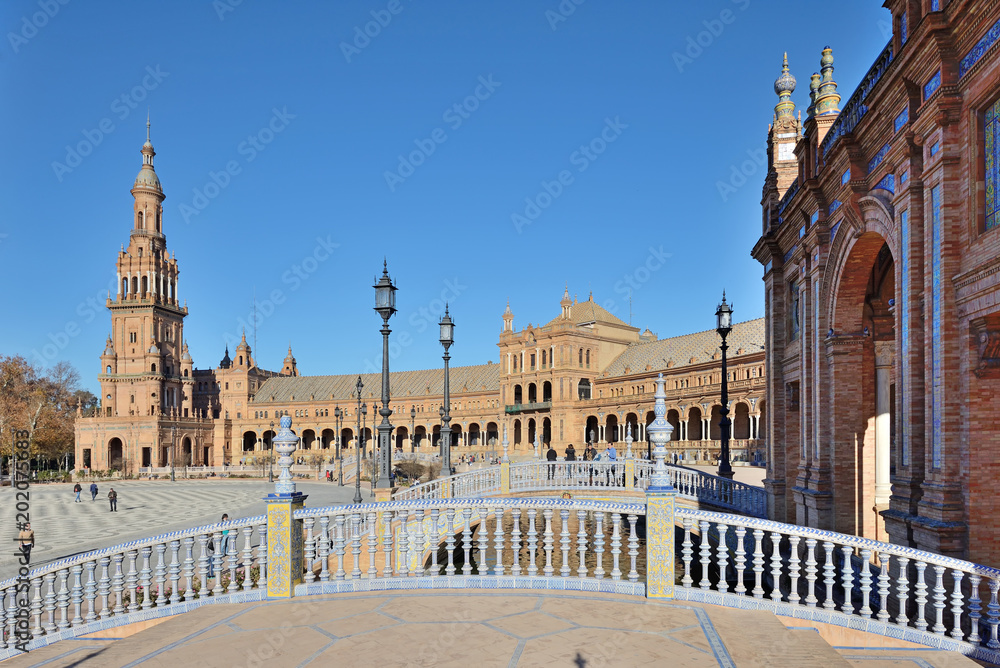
(551, 456)
(77, 489)
(225, 536)
(612, 456)
(27, 540)
(113, 499)
(93, 491)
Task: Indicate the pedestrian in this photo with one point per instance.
(93, 491)
(551, 456)
(588, 456)
(113, 498)
(612, 456)
(225, 537)
(77, 489)
(27, 540)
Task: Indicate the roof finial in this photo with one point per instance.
(784, 85)
(827, 97)
(147, 124)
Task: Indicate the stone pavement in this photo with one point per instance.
(451, 628)
(145, 508)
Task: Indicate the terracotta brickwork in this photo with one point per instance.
(881, 274)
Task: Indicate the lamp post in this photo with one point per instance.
(361, 411)
(173, 444)
(413, 420)
(270, 455)
(385, 306)
(724, 325)
(338, 417)
(447, 338)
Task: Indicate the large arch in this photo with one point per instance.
(492, 435)
(475, 435)
(517, 433)
(308, 436)
(547, 391)
(187, 452)
(592, 432)
(694, 422)
(249, 441)
(419, 435)
(517, 395)
(741, 421)
(402, 437)
(116, 454)
(673, 419)
(532, 393)
(611, 428)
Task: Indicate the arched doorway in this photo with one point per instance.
(532, 393)
(611, 429)
(492, 435)
(517, 394)
(474, 435)
(694, 423)
(674, 420)
(186, 454)
(592, 432)
(327, 438)
(402, 437)
(714, 430)
(308, 436)
(531, 432)
(116, 454)
(547, 391)
(419, 435)
(546, 431)
(249, 441)
(741, 421)
(632, 422)
(517, 433)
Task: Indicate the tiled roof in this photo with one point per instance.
(589, 311)
(402, 385)
(688, 349)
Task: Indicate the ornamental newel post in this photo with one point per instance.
(660, 506)
(284, 532)
(538, 451)
(628, 440)
(505, 465)
(506, 457)
(630, 478)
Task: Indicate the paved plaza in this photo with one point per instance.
(443, 629)
(145, 508)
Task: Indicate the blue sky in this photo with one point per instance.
(489, 151)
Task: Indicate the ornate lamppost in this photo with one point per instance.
(338, 420)
(173, 444)
(413, 420)
(270, 455)
(724, 325)
(362, 409)
(385, 306)
(447, 339)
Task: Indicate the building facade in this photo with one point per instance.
(584, 375)
(881, 261)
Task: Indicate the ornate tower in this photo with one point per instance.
(827, 100)
(289, 368)
(143, 372)
(508, 319)
(784, 132)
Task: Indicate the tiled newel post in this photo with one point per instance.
(660, 507)
(284, 534)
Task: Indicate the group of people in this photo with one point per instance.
(112, 495)
(590, 454)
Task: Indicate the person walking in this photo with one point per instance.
(113, 499)
(588, 456)
(27, 539)
(77, 489)
(551, 456)
(225, 537)
(612, 456)
(93, 491)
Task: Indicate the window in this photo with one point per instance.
(588, 359)
(793, 310)
(132, 337)
(108, 370)
(532, 361)
(992, 159)
(152, 368)
(227, 386)
(581, 357)
(583, 389)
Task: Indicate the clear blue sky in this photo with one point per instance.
(330, 114)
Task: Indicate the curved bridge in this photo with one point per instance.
(708, 491)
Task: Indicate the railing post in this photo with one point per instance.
(629, 459)
(505, 466)
(659, 506)
(284, 533)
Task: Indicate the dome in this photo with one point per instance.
(786, 82)
(147, 179)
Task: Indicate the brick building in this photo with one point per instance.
(584, 372)
(880, 252)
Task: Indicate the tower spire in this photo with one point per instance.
(827, 97)
(784, 85)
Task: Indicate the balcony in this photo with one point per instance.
(515, 409)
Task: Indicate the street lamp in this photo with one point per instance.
(413, 420)
(338, 417)
(270, 455)
(724, 325)
(173, 444)
(361, 411)
(385, 306)
(447, 338)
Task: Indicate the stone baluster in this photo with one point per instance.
(247, 554)
(467, 541)
(902, 590)
(581, 542)
(231, 561)
(829, 574)
(8, 626)
(372, 544)
(793, 568)
(203, 561)
(532, 542)
(188, 568)
(310, 549)
(118, 584)
(387, 545)
(616, 545)
(76, 595)
(599, 545)
(633, 548)
(741, 560)
(103, 590)
(132, 581)
(775, 566)
(145, 578)
(449, 541)
(957, 604)
(974, 608)
(706, 555)
(216, 559)
(418, 569)
(174, 571)
(161, 574)
(847, 578)
(993, 615)
(866, 583)
(62, 599)
(36, 602)
(262, 554)
(324, 548)
(564, 543)
(758, 563)
(811, 570)
(883, 588)
(483, 514)
(405, 544)
(722, 553)
(356, 545)
(498, 540)
(339, 545)
(548, 539)
(435, 539)
(920, 594)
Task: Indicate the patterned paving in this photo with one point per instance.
(145, 508)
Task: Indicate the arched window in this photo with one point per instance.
(588, 358)
(135, 284)
(152, 367)
(139, 220)
(124, 286)
(185, 373)
(581, 357)
(108, 370)
(241, 359)
(583, 389)
(145, 284)
(131, 399)
(544, 359)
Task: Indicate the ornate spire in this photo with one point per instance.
(827, 97)
(784, 85)
(813, 93)
(147, 175)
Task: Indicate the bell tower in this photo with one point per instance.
(784, 132)
(143, 371)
